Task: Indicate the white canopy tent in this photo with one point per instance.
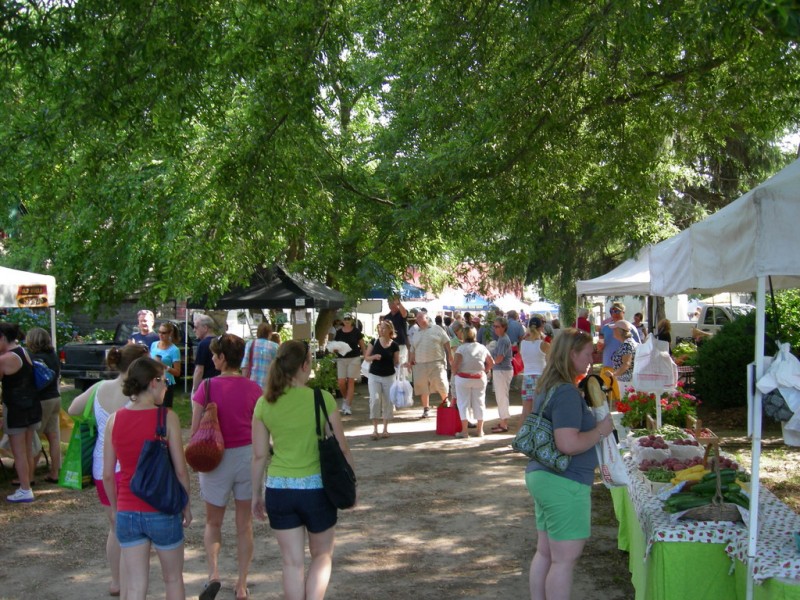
(630, 278)
(736, 249)
(21, 289)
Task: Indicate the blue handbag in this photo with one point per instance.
(155, 481)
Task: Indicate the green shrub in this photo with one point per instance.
(788, 328)
(324, 374)
(721, 375)
(28, 319)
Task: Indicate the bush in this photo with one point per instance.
(324, 375)
(28, 319)
(721, 375)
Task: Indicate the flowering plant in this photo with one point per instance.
(675, 407)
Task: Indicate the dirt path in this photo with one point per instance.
(438, 518)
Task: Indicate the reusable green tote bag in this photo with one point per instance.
(76, 470)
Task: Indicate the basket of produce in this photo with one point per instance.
(715, 496)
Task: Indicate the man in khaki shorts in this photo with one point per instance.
(430, 347)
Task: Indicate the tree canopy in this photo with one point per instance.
(181, 145)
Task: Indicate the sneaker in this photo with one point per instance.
(346, 409)
(425, 413)
(21, 496)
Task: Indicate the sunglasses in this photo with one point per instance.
(615, 311)
(162, 332)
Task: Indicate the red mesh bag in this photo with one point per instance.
(205, 449)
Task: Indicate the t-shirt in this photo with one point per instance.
(429, 344)
(611, 344)
(145, 339)
(350, 338)
(473, 357)
(502, 348)
(567, 409)
(400, 327)
(290, 422)
(515, 331)
(385, 366)
(169, 357)
(235, 397)
(203, 358)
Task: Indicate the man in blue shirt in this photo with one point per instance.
(145, 336)
(607, 339)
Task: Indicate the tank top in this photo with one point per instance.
(20, 395)
(532, 357)
(101, 415)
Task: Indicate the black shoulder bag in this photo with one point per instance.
(338, 477)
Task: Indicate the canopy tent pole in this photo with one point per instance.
(186, 373)
(53, 326)
(752, 524)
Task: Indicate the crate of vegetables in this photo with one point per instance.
(650, 447)
(684, 449)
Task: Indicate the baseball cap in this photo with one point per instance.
(348, 316)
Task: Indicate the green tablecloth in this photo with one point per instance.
(686, 570)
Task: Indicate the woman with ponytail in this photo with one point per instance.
(294, 499)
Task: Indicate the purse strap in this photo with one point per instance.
(547, 399)
(161, 423)
(319, 404)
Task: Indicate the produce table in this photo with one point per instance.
(671, 559)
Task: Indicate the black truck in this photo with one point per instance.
(85, 362)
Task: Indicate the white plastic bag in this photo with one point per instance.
(783, 374)
(401, 394)
(612, 469)
(365, 369)
(653, 367)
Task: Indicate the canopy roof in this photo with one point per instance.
(754, 236)
(274, 288)
(22, 289)
(630, 278)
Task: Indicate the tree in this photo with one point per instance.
(182, 145)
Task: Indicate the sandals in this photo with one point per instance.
(374, 436)
(499, 429)
(385, 434)
(210, 590)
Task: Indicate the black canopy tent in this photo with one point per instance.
(274, 288)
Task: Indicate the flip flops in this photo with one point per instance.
(499, 429)
(210, 591)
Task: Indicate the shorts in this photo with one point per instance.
(563, 507)
(136, 528)
(430, 377)
(349, 368)
(289, 509)
(529, 387)
(232, 475)
(51, 412)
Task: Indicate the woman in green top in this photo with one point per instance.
(294, 499)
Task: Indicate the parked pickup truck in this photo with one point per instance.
(712, 318)
(85, 362)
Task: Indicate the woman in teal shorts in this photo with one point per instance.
(562, 500)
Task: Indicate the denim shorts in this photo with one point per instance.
(288, 509)
(164, 531)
